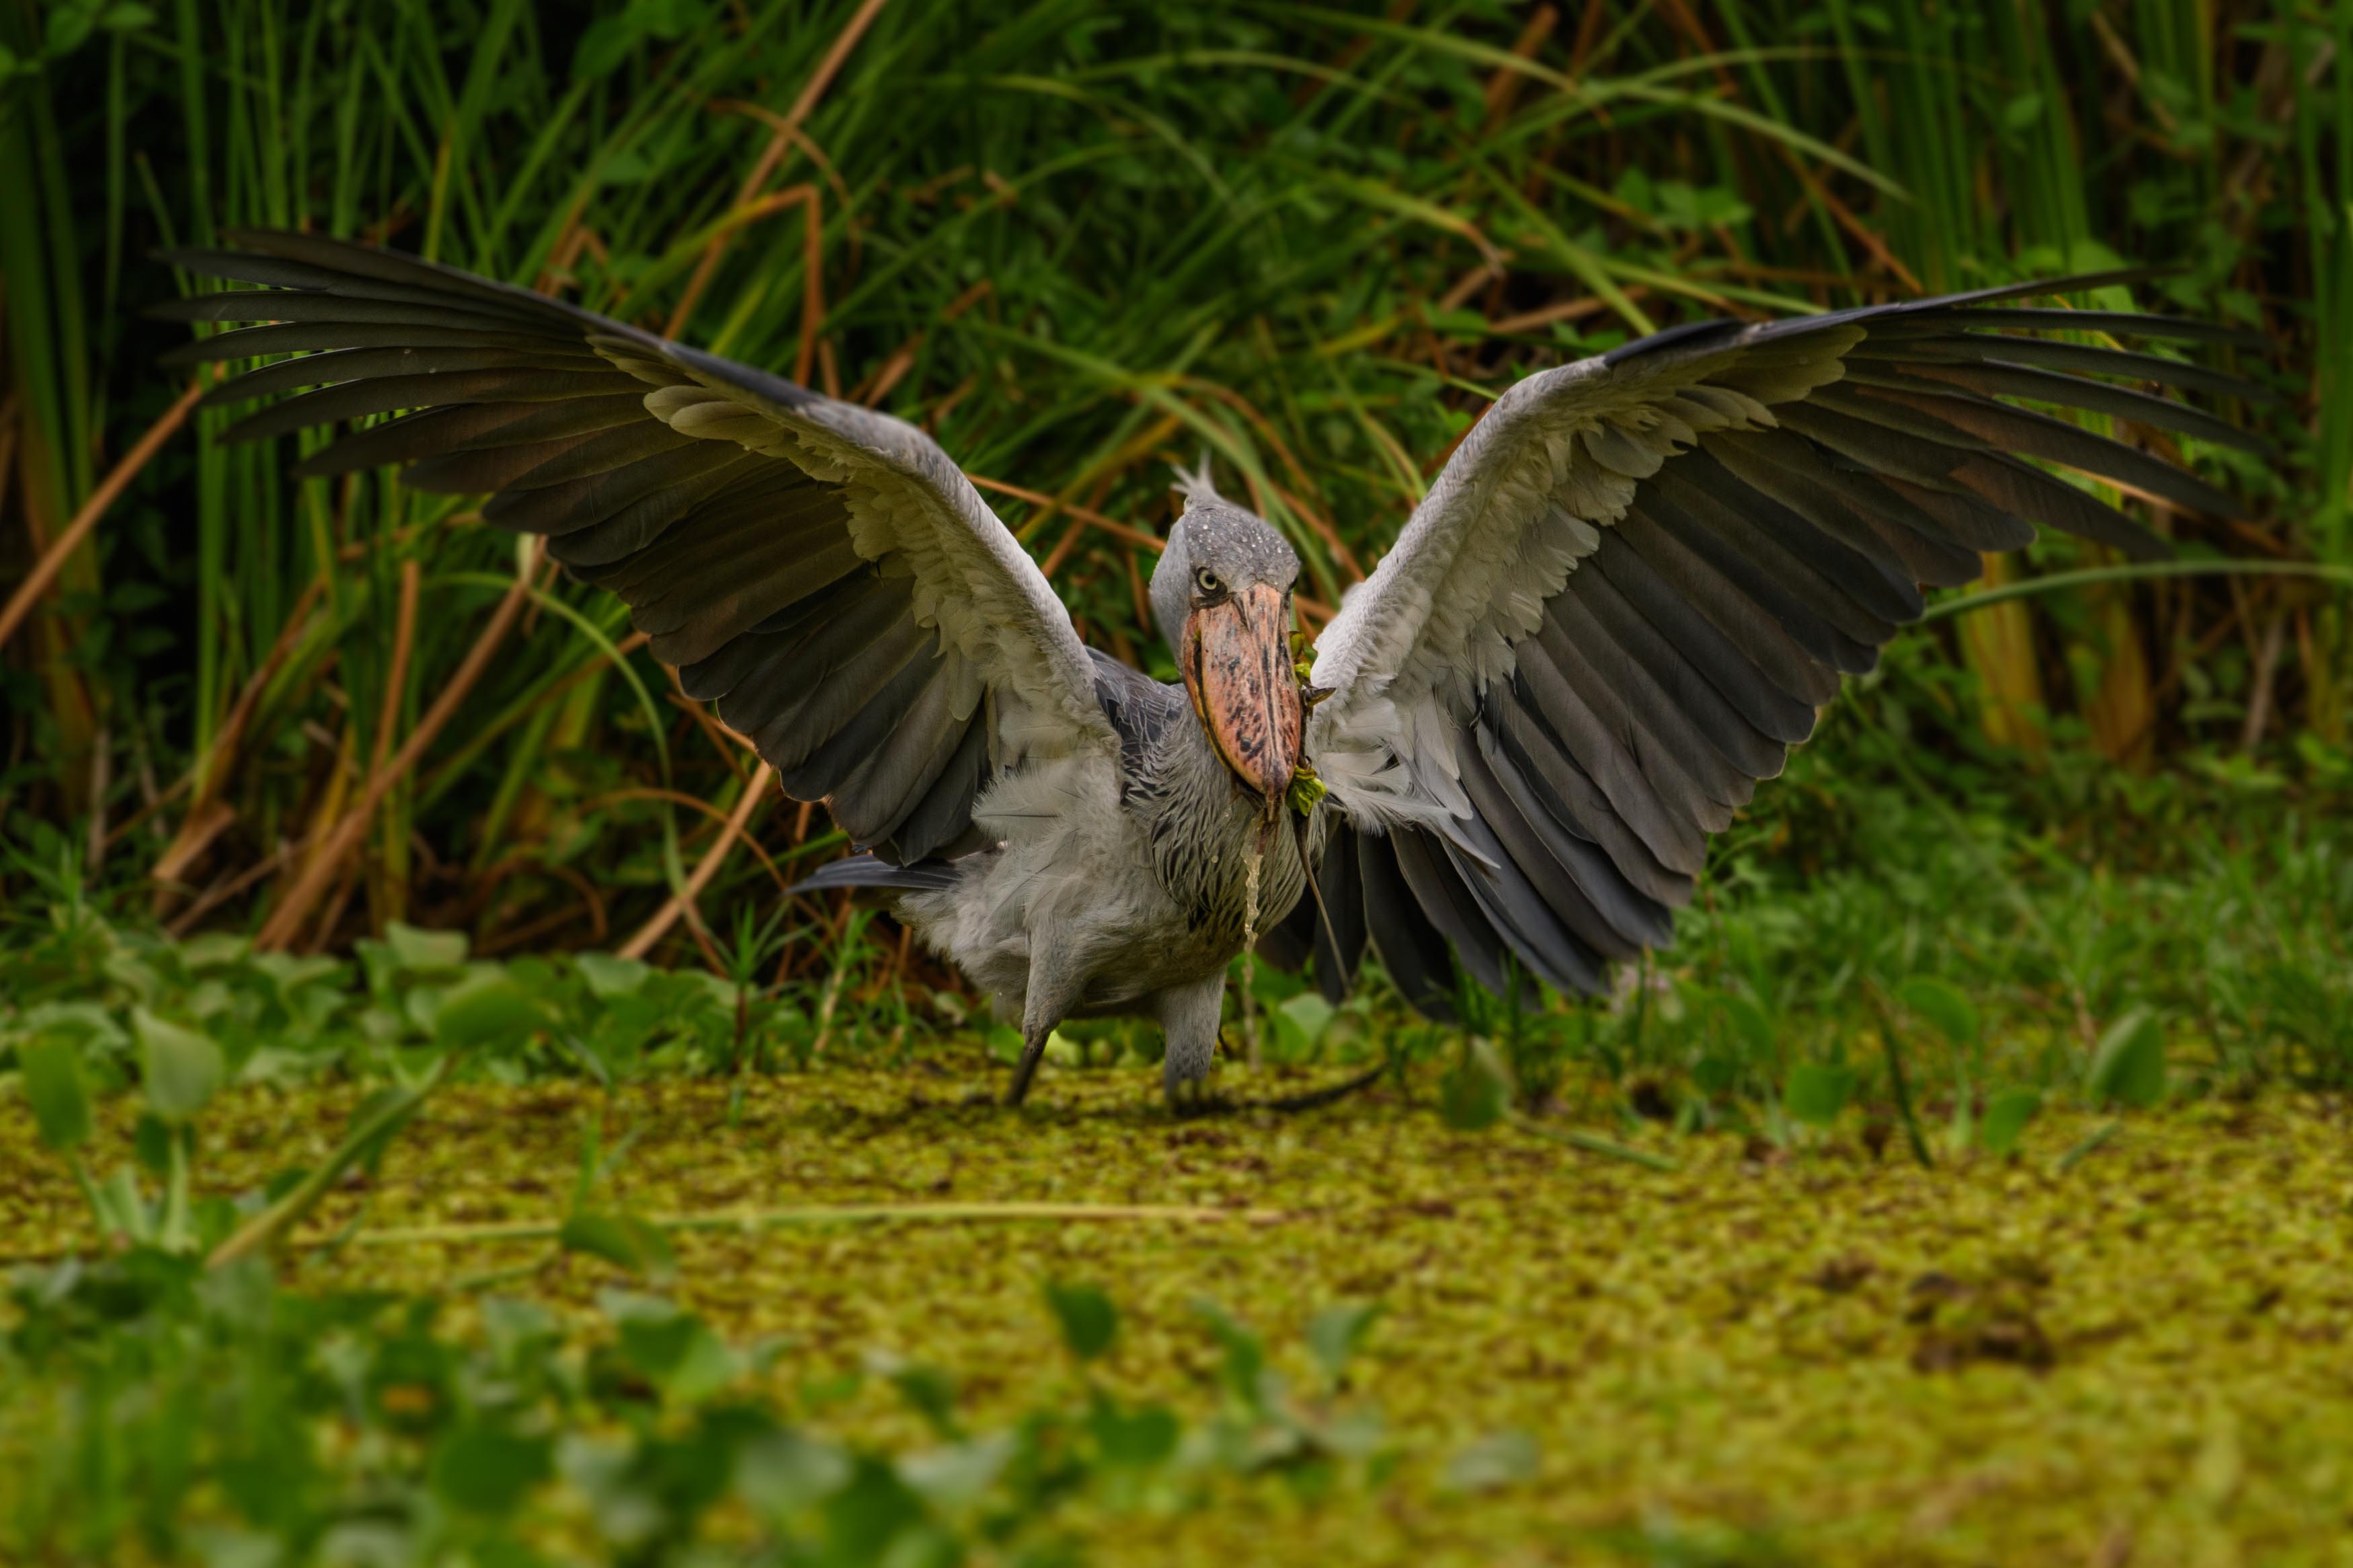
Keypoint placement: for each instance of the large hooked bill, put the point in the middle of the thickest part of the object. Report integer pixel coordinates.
(1237, 665)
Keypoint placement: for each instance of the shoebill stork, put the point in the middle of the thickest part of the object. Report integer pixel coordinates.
(1629, 592)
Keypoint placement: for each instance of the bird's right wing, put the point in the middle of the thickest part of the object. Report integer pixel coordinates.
(823, 572)
(1639, 577)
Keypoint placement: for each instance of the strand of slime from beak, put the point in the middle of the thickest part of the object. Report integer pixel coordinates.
(1249, 952)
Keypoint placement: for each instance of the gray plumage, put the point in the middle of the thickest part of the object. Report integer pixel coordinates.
(1627, 594)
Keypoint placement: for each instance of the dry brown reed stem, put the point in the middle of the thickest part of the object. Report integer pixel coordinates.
(802, 195)
(682, 902)
(680, 798)
(53, 560)
(1119, 531)
(780, 143)
(319, 873)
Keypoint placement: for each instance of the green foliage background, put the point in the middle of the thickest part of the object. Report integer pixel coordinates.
(1080, 241)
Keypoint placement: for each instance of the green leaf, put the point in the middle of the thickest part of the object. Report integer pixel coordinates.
(2129, 1066)
(481, 1469)
(181, 1069)
(1478, 1090)
(1245, 1353)
(2006, 1118)
(1498, 1460)
(1337, 1333)
(425, 951)
(53, 1087)
(1955, 1017)
(69, 23)
(1309, 1014)
(2020, 112)
(484, 1009)
(623, 1240)
(1089, 1320)
(1817, 1093)
(782, 1472)
(608, 976)
(1140, 1438)
(673, 1348)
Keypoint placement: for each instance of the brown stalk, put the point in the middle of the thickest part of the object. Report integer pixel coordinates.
(404, 641)
(680, 798)
(1565, 310)
(53, 558)
(682, 902)
(742, 216)
(782, 141)
(299, 899)
(1503, 87)
(1119, 531)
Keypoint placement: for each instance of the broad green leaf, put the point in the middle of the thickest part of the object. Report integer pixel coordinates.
(1955, 1017)
(485, 1009)
(1245, 1353)
(53, 1087)
(956, 1474)
(425, 951)
(782, 1472)
(486, 1469)
(608, 976)
(671, 1348)
(1337, 1333)
(2006, 1118)
(874, 1515)
(623, 1240)
(2129, 1065)
(1817, 1093)
(1140, 1438)
(1310, 1014)
(181, 1069)
(1089, 1320)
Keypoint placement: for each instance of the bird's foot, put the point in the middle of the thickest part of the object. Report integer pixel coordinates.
(1203, 1103)
(1190, 1097)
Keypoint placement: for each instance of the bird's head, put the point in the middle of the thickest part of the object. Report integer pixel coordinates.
(1222, 595)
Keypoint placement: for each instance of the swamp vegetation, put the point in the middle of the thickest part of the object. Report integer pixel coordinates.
(426, 1135)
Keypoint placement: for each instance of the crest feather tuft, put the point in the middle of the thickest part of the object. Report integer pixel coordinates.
(1195, 484)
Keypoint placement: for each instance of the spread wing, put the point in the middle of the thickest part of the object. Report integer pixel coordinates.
(823, 572)
(1640, 577)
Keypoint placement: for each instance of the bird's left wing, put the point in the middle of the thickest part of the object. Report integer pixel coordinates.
(1639, 577)
(823, 571)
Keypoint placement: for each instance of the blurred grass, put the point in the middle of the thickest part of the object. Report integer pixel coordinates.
(1076, 243)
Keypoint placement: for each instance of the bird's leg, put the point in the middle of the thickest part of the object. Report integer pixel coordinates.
(1033, 1047)
(1047, 1002)
(1188, 1025)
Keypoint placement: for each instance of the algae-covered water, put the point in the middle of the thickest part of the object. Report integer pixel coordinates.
(1816, 1354)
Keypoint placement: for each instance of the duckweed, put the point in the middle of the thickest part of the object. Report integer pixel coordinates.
(1822, 1355)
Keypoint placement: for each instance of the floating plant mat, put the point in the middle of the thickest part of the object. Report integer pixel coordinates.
(1820, 1354)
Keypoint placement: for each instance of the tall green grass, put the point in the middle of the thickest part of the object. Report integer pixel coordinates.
(1075, 243)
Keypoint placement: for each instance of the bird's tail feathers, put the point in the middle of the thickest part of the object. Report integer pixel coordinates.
(873, 871)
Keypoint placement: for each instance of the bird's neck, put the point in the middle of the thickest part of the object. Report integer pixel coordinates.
(1205, 830)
